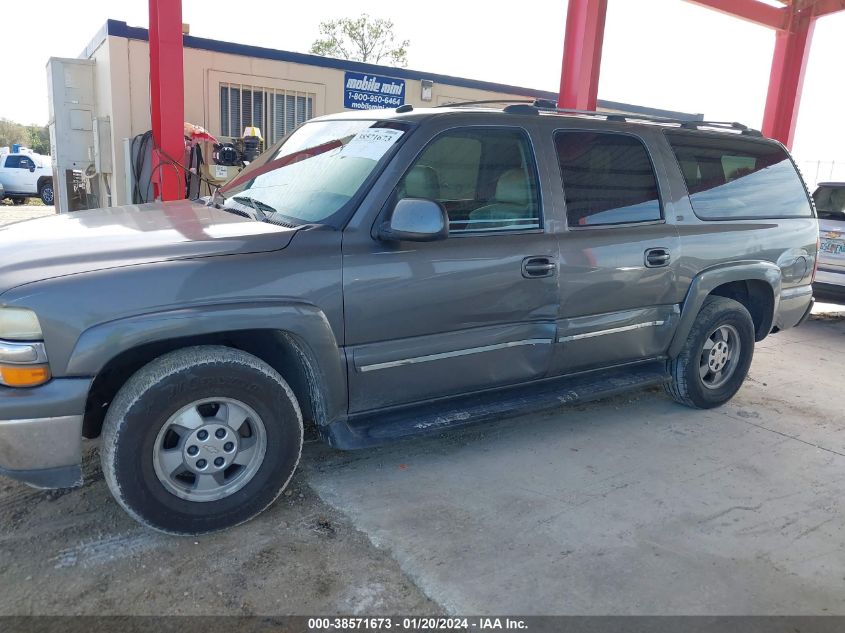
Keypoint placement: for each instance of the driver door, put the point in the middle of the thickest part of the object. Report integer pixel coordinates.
(470, 312)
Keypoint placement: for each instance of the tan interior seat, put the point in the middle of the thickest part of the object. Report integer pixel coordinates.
(421, 182)
(511, 202)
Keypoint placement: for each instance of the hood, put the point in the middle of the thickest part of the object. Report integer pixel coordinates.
(86, 241)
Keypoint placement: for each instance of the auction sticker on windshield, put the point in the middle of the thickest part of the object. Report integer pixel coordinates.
(371, 143)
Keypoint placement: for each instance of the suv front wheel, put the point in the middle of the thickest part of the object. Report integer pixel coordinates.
(716, 356)
(201, 439)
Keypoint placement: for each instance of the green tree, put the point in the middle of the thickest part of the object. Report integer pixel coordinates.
(11, 133)
(39, 139)
(35, 137)
(362, 39)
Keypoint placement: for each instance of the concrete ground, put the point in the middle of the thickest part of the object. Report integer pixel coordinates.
(633, 505)
(10, 213)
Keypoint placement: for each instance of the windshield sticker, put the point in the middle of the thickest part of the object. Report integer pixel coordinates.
(371, 143)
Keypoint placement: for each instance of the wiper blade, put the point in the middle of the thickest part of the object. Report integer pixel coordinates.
(261, 209)
(256, 204)
(266, 213)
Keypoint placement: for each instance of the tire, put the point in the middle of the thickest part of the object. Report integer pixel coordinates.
(159, 415)
(695, 380)
(46, 193)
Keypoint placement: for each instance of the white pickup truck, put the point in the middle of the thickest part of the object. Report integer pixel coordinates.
(26, 175)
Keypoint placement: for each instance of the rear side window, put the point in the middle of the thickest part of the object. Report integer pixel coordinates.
(607, 179)
(13, 161)
(736, 178)
(485, 178)
(830, 202)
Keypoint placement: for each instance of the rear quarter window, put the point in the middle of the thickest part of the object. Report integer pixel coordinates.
(739, 178)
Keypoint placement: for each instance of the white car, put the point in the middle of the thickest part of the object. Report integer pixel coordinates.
(26, 175)
(830, 204)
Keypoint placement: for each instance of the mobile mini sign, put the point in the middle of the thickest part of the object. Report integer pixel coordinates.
(368, 92)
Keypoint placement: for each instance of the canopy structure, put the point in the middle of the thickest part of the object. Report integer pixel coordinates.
(792, 21)
(167, 97)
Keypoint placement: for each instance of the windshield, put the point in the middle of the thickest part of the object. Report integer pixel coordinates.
(316, 170)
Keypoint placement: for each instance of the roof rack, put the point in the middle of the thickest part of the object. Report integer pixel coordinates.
(543, 106)
(460, 104)
(539, 106)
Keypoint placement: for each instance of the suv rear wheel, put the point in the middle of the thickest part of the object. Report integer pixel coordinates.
(716, 356)
(201, 439)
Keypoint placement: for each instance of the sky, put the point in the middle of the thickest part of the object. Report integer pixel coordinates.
(659, 53)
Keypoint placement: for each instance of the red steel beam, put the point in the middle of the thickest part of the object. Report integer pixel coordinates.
(167, 97)
(792, 49)
(751, 10)
(825, 7)
(794, 32)
(579, 73)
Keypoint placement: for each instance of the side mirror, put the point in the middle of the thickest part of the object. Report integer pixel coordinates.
(32, 168)
(416, 220)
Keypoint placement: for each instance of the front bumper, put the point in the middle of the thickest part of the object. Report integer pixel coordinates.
(41, 432)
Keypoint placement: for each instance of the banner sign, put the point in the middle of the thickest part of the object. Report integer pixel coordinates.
(368, 92)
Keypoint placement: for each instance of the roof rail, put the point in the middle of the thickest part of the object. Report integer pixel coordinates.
(460, 104)
(538, 106)
(546, 106)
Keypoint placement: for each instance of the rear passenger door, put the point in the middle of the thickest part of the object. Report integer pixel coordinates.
(619, 291)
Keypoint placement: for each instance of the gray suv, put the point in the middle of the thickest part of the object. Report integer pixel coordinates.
(384, 274)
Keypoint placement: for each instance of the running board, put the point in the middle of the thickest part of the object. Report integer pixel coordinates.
(367, 430)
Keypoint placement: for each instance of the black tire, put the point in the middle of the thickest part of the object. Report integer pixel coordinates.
(18, 201)
(687, 386)
(148, 401)
(46, 193)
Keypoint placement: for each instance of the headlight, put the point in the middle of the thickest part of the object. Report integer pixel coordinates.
(19, 324)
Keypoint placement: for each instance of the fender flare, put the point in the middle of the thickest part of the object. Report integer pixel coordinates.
(708, 280)
(304, 325)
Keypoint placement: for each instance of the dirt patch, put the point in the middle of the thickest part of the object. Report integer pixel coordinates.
(76, 552)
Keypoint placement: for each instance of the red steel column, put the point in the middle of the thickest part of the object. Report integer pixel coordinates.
(792, 49)
(579, 73)
(167, 97)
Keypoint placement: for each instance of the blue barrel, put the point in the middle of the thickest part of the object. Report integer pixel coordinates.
(16, 148)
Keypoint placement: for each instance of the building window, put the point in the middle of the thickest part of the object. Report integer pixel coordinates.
(276, 112)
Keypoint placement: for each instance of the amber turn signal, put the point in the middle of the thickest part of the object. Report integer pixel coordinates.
(24, 375)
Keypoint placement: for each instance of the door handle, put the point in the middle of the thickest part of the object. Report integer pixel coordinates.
(657, 257)
(533, 267)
